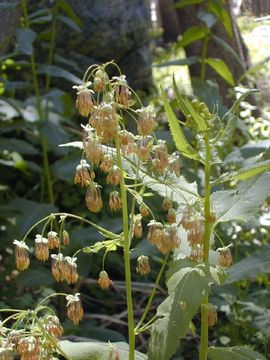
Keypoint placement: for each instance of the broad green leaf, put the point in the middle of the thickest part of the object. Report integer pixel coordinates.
(65, 168)
(192, 34)
(179, 62)
(222, 69)
(177, 311)
(187, 108)
(20, 146)
(55, 135)
(234, 353)
(25, 39)
(249, 150)
(247, 269)
(219, 10)
(241, 203)
(177, 132)
(7, 5)
(37, 276)
(57, 71)
(31, 212)
(249, 171)
(96, 350)
(182, 3)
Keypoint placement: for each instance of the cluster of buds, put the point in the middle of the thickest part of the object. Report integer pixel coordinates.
(167, 206)
(193, 223)
(64, 268)
(53, 326)
(165, 238)
(84, 174)
(29, 348)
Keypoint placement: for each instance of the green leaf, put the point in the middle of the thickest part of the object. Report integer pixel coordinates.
(235, 107)
(249, 171)
(65, 168)
(222, 69)
(218, 9)
(242, 203)
(255, 68)
(224, 45)
(192, 34)
(177, 311)
(178, 62)
(208, 18)
(96, 350)
(25, 39)
(31, 212)
(36, 277)
(182, 3)
(234, 353)
(247, 269)
(57, 71)
(179, 138)
(55, 135)
(7, 5)
(20, 146)
(70, 23)
(65, 6)
(187, 108)
(225, 136)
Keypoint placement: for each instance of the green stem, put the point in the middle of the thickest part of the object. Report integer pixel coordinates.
(46, 168)
(138, 327)
(131, 332)
(207, 236)
(204, 54)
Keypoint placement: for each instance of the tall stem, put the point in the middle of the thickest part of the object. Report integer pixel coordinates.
(46, 168)
(131, 332)
(207, 235)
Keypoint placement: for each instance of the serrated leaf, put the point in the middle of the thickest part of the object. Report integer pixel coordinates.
(234, 353)
(176, 312)
(96, 350)
(182, 3)
(242, 203)
(187, 108)
(25, 39)
(192, 34)
(179, 138)
(221, 69)
(256, 264)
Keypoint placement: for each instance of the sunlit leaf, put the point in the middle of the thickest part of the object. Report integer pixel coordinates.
(234, 353)
(222, 69)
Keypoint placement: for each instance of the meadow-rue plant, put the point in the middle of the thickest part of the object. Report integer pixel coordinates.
(184, 234)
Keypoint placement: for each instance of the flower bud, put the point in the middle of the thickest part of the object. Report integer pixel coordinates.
(58, 264)
(144, 210)
(84, 174)
(174, 164)
(106, 163)
(69, 270)
(156, 232)
(171, 216)
(143, 266)
(146, 121)
(93, 149)
(114, 176)
(212, 315)
(104, 281)
(53, 326)
(41, 248)
(84, 102)
(65, 237)
(167, 204)
(225, 257)
(74, 308)
(161, 160)
(137, 226)
(29, 348)
(115, 202)
(93, 198)
(53, 240)
(21, 255)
